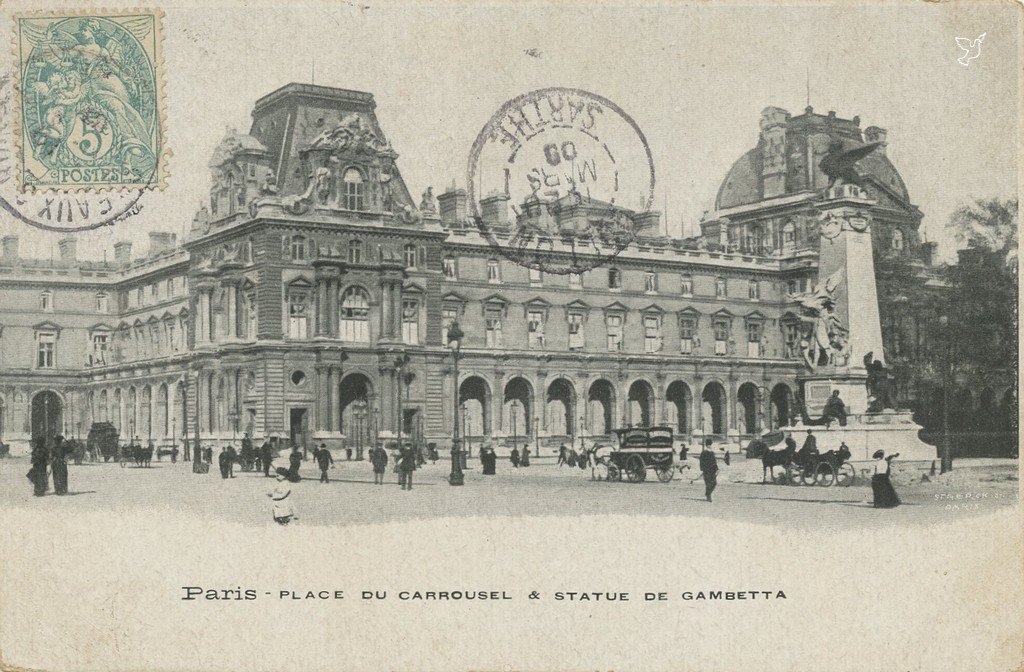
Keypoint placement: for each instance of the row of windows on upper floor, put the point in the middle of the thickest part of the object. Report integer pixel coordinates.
(652, 280)
(413, 257)
(138, 297)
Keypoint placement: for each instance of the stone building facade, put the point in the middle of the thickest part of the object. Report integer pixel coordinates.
(311, 301)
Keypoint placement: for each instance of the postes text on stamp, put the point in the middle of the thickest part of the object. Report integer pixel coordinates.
(576, 172)
(90, 101)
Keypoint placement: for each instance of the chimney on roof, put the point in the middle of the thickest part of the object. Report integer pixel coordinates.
(494, 210)
(122, 253)
(452, 206)
(68, 248)
(161, 241)
(10, 244)
(876, 134)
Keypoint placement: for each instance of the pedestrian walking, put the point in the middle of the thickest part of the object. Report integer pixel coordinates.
(563, 454)
(281, 499)
(39, 460)
(223, 462)
(727, 459)
(683, 451)
(59, 467)
(885, 496)
(526, 456)
(406, 465)
(708, 469)
(294, 462)
(488, 459)
(324, 460)
(267, 455)
(514, 457)
(232, 458)
(379, 460)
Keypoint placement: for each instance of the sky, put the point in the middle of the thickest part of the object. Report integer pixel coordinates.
(694, 78)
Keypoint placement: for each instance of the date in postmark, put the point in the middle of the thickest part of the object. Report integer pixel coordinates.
(576, 172)
(89, 101)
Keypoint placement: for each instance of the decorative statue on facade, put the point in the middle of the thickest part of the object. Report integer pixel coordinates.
(841, 165)
(427, 205)
(880, 388)
(352, 135)
(826, 330)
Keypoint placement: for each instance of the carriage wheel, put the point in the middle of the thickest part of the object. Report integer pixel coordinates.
(665, 474)
(809, 475)
(636, 472)
(614, 474)
(846, 475)
(825, 475)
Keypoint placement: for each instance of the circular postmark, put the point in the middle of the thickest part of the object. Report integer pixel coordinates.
(560, 180)
(54, 210)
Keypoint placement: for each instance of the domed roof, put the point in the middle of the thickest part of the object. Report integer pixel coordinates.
(744, 183)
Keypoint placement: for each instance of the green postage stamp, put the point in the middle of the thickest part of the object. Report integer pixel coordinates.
(90, 101)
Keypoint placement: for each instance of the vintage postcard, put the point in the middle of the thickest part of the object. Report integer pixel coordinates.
(554, 336)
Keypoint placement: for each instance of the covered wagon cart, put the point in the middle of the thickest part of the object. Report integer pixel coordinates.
(638, 449)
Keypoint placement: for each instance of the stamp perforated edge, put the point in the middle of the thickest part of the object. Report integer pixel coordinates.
(161, 103)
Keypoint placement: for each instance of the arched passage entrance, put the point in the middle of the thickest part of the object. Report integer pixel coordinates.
(355, 407)
(47, 415)
(561, 407)
(781, 394)
(602, 405)
(747, 396)
(641, 404)
(518, 407)
(474, 400)
(713, 408)
(678, 407)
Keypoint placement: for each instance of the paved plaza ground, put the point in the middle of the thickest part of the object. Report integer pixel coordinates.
(543, 489)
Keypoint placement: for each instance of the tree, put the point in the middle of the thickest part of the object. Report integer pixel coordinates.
(988, 224)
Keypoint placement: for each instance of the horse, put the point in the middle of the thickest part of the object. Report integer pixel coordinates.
(775, 458)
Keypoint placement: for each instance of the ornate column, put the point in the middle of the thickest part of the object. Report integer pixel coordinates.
(396, 310)
(170, 427)
(321, 397)
(498, 403)
(321, 306)
(386, 398)
(541, 399)
(333, 307)
(333, 384)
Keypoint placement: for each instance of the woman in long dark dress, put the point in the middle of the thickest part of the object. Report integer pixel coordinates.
(59, 467)
(881, 485)
(37, 474)
(488, 460)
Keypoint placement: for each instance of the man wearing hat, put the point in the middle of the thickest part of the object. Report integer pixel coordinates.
(708, 469)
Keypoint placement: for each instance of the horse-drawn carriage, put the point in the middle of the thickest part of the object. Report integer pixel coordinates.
(102, 441)
(639, 449)
(808, 467)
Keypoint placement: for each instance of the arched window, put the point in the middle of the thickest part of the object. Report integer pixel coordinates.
(355, 315)
(355, 252)
(897, 240)
(298, 248)
(353, 181)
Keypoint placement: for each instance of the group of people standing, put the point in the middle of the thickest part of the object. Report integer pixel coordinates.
(48, 458)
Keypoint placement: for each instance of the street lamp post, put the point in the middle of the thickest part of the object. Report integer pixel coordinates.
(455, 342)
(947, 453)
